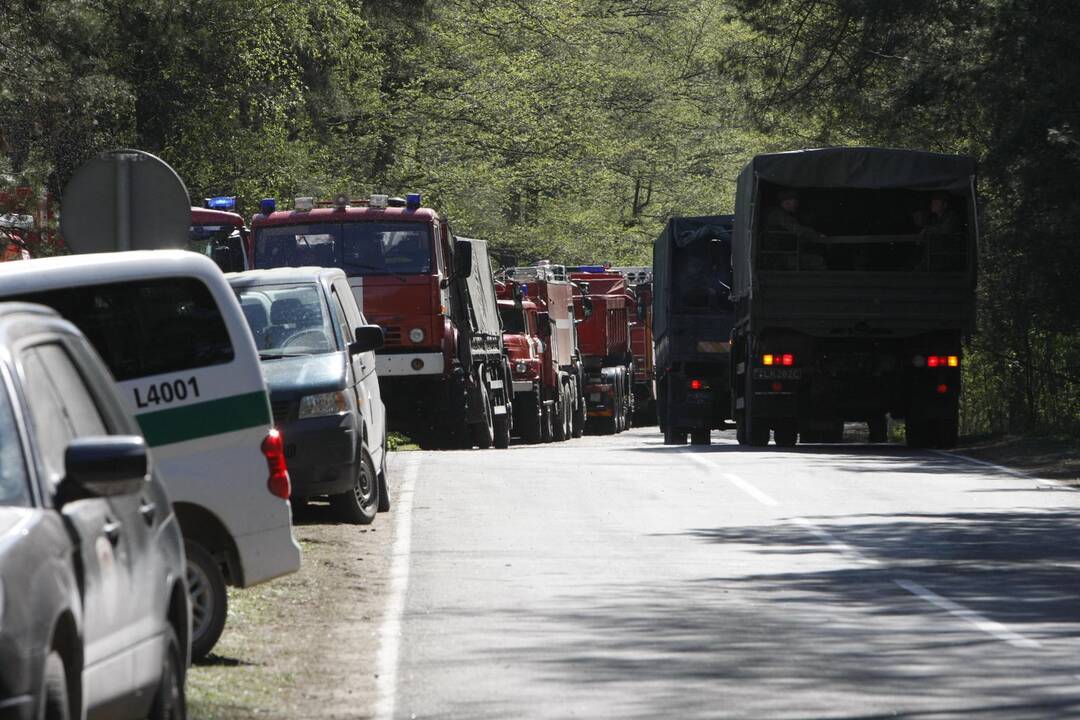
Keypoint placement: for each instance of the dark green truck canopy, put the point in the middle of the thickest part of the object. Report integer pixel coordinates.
(862, 167)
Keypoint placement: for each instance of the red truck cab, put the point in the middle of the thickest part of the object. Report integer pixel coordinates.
(221, 235)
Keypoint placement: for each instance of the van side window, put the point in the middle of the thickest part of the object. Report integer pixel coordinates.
(146, 327)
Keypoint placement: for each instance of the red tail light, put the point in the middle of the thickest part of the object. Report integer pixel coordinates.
(942, 389)
(777, 387)
(788, 359)
(273, 448)
(696, 385)
(933, 361)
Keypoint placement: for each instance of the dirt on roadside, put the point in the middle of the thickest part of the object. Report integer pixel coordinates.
(304, 646)
(1052, 458)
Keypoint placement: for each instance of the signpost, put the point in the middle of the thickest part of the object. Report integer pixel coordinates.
(125, 200)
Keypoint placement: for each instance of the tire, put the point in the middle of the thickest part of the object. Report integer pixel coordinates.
(878, 429)
(740, 430)
(209, 602)
(786, 434)
(483, 432)
(502, 430)
(384, 490)
(759, 434)
(547, 423)
(835, 433)
(674, 436)
(54, 703)
(531, 419)
(561, 416)
(359, 505)
(170, 702)
(948, 433)
(568, 412)
(700, 437)
(581, 414)
(916, 434)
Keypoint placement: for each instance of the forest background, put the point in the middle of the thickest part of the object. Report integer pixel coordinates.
(572, 129)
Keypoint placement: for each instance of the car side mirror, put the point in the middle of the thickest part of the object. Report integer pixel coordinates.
(105, 466)
(641, 310)
(368, 337)
(462, 258)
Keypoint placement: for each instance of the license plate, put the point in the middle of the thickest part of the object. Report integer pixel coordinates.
(777, 373)
(699, 398)
(596, 397)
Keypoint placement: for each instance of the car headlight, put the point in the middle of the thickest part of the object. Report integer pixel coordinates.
(521, 368)
(416, 335)
(330, 403)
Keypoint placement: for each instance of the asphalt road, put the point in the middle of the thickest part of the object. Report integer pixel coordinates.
(616, 577)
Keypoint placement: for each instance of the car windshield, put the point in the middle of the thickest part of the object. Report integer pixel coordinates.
(221, 243)
(360, 248)
(287, 320)
(13, 487)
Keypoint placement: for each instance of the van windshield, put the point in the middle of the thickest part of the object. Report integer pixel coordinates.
(146, 327)
(287, 320)
(359, 248)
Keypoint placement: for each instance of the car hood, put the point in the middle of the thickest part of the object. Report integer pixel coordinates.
(289, 378)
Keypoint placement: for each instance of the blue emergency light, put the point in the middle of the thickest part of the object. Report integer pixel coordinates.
(524, 290)
(592, 268)
(221, 202)
(267, 205)
(412, 201)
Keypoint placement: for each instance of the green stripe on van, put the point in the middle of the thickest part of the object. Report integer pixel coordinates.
(212, 417)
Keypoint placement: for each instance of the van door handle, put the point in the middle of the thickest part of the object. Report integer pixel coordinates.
(148, 510)
(112, 531)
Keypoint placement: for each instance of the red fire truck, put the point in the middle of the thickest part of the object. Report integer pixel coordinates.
(604, 339)
(640, 280)
(540, 335)
(442, 373)
(218, 232)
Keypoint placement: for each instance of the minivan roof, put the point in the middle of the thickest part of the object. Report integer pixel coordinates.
(308, 273)
(94, 268)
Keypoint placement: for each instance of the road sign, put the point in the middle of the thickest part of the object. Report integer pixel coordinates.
(125, 200)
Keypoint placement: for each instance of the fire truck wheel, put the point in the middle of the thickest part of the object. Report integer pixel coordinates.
(562, 415)
(786, 434)
(483, 432)
(547, 422)
(580, 416)
(502, 431)
(674, 436)
(529, 419)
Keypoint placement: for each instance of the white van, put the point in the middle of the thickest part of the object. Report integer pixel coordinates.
(174, 337)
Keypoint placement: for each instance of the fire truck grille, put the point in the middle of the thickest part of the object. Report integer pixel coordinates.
(392, 335)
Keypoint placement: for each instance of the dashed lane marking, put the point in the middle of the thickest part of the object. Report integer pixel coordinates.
(988, 626)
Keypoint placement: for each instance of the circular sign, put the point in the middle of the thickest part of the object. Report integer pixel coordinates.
(125, 200)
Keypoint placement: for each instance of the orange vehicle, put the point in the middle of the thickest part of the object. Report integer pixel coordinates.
(442, 373)
(540, 337)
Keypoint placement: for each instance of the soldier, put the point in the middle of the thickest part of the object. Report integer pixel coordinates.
(784, 217)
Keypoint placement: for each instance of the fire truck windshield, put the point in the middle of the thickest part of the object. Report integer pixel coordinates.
(360, 248)
(513, 320)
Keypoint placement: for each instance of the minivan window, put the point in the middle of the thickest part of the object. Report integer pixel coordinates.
(146, 327)
(287, 320)
(13, 484)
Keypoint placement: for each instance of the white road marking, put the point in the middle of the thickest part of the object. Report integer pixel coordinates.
(735, 480)
(991, 627)
(835, 543)
(386, 663)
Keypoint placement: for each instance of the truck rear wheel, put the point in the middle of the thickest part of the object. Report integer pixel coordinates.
(701, 437)
(878, 429)
(562, 416)
(759, 434)
(674, 436)
(580, 416)
(502, 429)
(483, 432)
(547, 422)
(786, 434)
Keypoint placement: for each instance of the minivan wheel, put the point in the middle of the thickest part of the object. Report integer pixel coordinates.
(209, 602)
(359, 505)
(169, 700)
(54, 701)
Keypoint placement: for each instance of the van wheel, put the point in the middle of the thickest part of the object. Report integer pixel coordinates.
(384, 491)
(209, 603)
(359, 505)
(54, 702)
(169, 701)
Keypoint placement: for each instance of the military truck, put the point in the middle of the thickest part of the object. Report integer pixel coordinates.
(854, 286)
(692, 320)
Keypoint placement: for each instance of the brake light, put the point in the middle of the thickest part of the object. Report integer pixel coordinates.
(942, 389)
(933, 361)
(788, 359)
(696, 384)
(273, 448)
